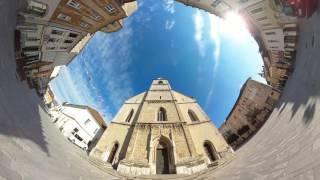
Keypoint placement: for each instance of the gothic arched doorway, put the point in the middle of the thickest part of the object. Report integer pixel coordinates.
(164, 157)
(210, 151)
(113, 153)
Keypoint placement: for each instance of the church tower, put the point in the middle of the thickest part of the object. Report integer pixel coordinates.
(161, 131)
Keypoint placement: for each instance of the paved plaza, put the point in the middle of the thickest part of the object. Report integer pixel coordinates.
(287, 147)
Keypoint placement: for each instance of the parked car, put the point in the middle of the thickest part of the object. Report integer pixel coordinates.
(77, 140)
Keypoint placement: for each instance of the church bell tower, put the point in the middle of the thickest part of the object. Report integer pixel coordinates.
(161, 131)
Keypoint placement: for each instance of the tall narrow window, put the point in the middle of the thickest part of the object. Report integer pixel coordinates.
(130, 116)
(192, 116)
(109, 7)
(162, 114)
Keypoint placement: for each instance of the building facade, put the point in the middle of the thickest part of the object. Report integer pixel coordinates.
(252, 108)
(161, 131)
(52, 32)
(91, 16)
(82, 125)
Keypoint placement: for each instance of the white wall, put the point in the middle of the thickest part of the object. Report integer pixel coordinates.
(80, 116)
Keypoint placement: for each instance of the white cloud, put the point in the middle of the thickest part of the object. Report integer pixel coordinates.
(214, 34)
(208, 99)
(100, 71)
(169, 24)
(169, 6)
(199, 27)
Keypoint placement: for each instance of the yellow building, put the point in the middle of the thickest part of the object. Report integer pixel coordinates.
(161, 131)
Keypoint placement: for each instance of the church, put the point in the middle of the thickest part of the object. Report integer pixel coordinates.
(161, 131)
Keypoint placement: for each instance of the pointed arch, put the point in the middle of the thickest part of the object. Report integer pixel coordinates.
(210, 151)
(162, 114)
(129, 117)
(163, 155)
(193, 116)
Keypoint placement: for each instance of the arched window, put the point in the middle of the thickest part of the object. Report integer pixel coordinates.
(162, 114)
(130, 116)
(192, 116)
(160, 82)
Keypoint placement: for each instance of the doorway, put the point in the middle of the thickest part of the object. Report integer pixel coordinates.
(211, 153)
(113, 153)
(162, 161)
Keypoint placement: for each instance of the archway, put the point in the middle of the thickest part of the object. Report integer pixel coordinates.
(210, 151)
(164, 157)
(113, 153)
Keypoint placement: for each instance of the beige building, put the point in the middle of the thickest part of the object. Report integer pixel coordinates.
(252, 108)
(161, 131)
(216, 7)
(94, 15)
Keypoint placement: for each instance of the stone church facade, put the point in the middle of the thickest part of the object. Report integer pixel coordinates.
(161, 131)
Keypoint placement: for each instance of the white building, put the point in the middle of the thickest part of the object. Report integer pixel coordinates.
(82, 125)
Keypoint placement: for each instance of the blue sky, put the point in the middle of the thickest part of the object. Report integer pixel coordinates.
(201, 55)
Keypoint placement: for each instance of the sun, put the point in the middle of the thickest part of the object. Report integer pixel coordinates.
(235, 25)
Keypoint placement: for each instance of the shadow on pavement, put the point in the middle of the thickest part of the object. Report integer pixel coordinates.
(19, 113)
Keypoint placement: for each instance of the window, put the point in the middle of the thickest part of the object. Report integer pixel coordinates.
(56, 32)
(78, 137)
(267, 24)
(73, 35)
(270, 33)
(31, 48)
(256, 10)
(95, 16)
(75, 130)
(50, 48)
(110, 8)
(162, 114)
(36, 8)
(84, 24)
(262, 18)
(95, 131)
(216, 3)
(53, 40)
(243, 1)
(74, 4)
(130, 116)
(63, 48)
(87, 121)
(192, 116)
(32, 39)
(160, 82)
(273, 41)
(68, 41)
(64, 17)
